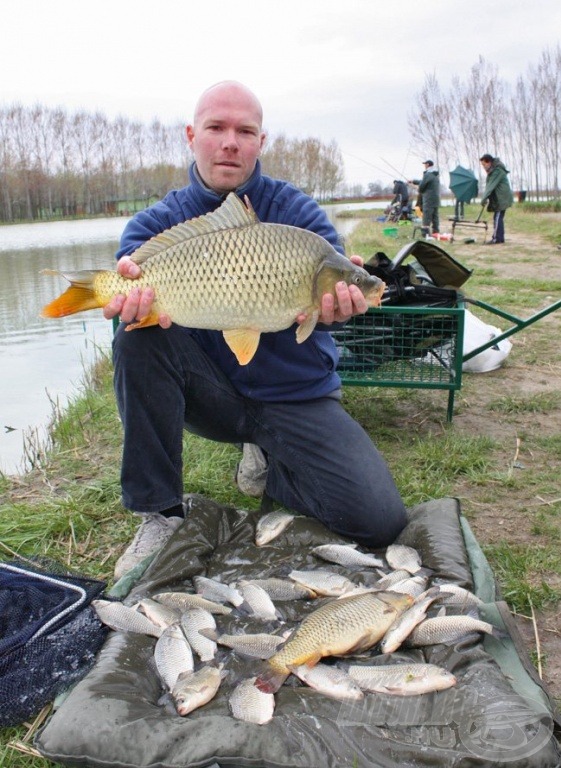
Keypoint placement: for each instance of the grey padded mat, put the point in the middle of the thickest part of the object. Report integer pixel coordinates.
(113, 718)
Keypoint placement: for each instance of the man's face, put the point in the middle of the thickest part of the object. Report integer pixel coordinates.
(226, 137)
(486, 165)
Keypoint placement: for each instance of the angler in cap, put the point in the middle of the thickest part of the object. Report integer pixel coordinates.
(497, 195)
(300, 445)
(429, 192)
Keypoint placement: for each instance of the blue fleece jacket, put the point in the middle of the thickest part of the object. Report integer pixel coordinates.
(281, 369)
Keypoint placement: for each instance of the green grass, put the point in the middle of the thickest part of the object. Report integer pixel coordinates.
(543, 402)
(518, 569)
(68, 508)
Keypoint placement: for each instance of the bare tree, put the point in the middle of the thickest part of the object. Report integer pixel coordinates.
(309, 164)
(44, 149)
(430, 122)
(331, 171)
(524, 128)
(279, 160)
(19, 123)
(6, 164)
(66, 171)
(121, 130)
(52, 161)
(548, 82)
(139, 137)
(163, 148)
(86, 135)
(180, 153)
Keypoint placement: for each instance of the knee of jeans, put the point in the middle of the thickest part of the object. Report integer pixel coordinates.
(124, 347)
(137, 342)
(378, 524)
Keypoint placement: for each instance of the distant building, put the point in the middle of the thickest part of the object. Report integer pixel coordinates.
(129, 207)
(110, 207)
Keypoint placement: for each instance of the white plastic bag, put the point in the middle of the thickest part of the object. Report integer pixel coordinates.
(476, 333)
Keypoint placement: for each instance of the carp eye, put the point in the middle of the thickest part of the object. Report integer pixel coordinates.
(357, 279)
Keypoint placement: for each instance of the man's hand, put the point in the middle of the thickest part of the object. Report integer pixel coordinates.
(348, 301)
(138, 303)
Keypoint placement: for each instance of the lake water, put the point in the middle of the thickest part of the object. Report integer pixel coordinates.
(42, 362)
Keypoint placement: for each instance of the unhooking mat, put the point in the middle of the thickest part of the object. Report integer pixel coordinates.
(496, 715)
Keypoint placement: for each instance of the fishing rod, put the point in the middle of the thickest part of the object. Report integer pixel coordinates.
(362, 160)
(393, 168)
(406, 158)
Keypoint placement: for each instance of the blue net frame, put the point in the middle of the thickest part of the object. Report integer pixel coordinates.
(49, 636)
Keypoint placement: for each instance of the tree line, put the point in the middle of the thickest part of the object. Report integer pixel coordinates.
(55, 164)
(483, 113)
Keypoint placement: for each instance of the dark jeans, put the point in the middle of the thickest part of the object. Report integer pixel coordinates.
(498, 227)
(321, 462)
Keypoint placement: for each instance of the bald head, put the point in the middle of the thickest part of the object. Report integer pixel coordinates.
(228, 92)
(226, 136)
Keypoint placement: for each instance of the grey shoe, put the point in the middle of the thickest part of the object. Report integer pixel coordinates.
(154, 532)
(251, 473)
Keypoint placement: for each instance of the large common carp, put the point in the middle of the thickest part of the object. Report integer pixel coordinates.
(342, 626)
(227, 271)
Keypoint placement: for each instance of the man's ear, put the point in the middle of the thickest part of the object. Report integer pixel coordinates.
(190, 134)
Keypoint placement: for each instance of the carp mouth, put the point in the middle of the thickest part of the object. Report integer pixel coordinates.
(327, 276)
(374, 294)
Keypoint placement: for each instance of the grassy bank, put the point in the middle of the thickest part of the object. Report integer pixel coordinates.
(501, 456)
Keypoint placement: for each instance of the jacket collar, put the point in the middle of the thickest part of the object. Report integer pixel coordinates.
(211, 198)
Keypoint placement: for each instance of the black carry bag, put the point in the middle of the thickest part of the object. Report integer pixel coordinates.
(49, 636)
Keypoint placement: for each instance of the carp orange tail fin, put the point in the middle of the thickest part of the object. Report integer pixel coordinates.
(270, 681)
(79, 297)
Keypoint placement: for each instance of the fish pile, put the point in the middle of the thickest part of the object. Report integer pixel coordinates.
(229, 272)
(394, 605)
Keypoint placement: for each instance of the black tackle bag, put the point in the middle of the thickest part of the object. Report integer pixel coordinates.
(431, 278)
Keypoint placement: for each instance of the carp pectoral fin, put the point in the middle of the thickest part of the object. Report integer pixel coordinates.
(151, 319)
(305, 329)
(310, 659)
(367, 640)
(243, 342)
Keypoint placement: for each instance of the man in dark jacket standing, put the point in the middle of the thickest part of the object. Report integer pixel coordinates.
(429, 190)
(497, 195)
(305, 450)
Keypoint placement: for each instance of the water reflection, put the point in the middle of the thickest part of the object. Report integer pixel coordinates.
(345, 226)
(43, 361)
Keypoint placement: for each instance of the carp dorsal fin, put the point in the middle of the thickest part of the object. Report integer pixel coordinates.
(243, 342)
(232, 214)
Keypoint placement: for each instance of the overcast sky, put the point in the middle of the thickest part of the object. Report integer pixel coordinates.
(344, 70)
